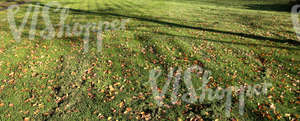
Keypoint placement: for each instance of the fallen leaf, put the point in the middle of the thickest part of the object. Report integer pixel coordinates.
(26, 119)
(11, 105)
(1, 104)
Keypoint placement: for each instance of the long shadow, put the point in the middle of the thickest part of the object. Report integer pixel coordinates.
(251, 36)
(7, 3)
(270, 7)
(224, 42)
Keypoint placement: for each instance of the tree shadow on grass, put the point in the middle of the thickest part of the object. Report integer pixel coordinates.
(225, 42)
(114, 14)
(5, 4)
(270, 7)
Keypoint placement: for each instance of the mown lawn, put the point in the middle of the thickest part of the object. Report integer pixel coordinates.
(240, 41)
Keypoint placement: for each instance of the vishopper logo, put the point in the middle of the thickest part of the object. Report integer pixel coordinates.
(64, 29)
(206, 93)
(295, 20)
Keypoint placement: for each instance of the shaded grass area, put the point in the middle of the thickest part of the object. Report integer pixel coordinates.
(271, 7)
(4, 4)
(54, 79)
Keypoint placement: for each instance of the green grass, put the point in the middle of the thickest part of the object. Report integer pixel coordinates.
(240, 41)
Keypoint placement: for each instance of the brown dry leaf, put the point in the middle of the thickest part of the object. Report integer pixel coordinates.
(1, 50)
(121, 104)
(11, 74)
(1, 104)
(128, 110)
(26, 112)
(117, 84)
(26, 119)
(269, 117)
(278, 117)
(272, 106)
(111, 88)
(110, 63)
(91, 95)
(287, 115)
(34, 74)
(73, 73)
(11, 105)
(147, 117)
(83, 78)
